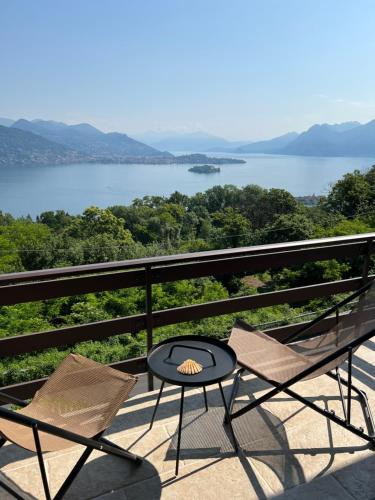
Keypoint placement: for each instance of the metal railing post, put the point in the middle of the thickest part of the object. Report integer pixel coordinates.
(150, 378)
(367, 261)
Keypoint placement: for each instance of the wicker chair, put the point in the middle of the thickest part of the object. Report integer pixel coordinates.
(74, 406)
(302, 356)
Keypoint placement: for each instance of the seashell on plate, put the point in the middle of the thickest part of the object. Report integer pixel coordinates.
(190, 367)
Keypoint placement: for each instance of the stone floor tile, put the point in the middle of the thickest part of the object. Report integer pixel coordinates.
(326, 488)
(103, 473)
(26, 480)
(304, 453)
(4, 495)
(219, 480)
(358, 478)
(113, 495)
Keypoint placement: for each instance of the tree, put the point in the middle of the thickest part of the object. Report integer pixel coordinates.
(220, 197)
(95, 221)
(57, 221)
(5, 219)
(261, 206)
(232, 229)
(10, 261)
(287, 227)
(351, 195)
(34, 243)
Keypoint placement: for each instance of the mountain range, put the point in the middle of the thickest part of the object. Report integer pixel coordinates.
(188, 142)
(18, 147)
(326, 140)
(50, 142)
(269, 146)
(88, 140)
(6, 122)
(339, 139)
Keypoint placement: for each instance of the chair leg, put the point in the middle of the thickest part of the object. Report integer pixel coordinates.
(367, 413)
(82, 460)
(339, 381)
(235, 443)
(2, 483)
(73, 474)
(41, 462)
(205, 398)
(157, 405)
(180, 429)
(332, 416)
(233, 393)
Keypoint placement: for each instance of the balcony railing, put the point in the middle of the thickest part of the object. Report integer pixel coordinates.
(30, 286)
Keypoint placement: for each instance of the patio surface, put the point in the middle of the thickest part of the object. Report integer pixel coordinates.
(289, 451)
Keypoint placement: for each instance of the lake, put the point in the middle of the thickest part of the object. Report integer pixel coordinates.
(32, 190)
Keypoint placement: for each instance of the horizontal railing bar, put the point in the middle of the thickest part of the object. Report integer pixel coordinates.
(14, 294)
(179, 258)
(133, 366)
(255, 263)
(238, 304)
(100, 330)
(25, 390)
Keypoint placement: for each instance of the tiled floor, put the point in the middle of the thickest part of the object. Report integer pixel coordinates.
(288, 451)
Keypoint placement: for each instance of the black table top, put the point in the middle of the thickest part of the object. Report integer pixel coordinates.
(218, 363)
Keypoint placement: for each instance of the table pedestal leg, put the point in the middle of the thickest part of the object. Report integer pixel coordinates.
(179, 428)
(205, 397)
(157, 404)
(228, 418)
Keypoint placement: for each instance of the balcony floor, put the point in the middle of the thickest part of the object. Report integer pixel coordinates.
(289, 451)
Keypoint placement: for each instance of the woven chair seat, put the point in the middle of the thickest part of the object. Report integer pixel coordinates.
(279, 363)
(81, 396)
(265, 356)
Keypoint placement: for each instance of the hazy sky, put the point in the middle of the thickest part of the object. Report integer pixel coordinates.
(243, 69)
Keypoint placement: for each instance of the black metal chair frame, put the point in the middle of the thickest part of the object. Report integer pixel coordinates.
(97, 443)
(285, 386)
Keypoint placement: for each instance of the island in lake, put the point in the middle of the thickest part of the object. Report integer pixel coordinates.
(204, 169)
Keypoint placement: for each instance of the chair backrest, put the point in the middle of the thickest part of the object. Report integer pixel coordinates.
(82, 396)
(356, 324)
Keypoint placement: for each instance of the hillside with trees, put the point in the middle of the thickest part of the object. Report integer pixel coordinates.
(221, 217)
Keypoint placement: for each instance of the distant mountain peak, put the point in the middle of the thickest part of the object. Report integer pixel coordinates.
(6, 122)
(89, 140)
(335, 127)
(268, 146)
(86, 128)
(188, 141)
(50, 122)
(20, 147)
(340, 139)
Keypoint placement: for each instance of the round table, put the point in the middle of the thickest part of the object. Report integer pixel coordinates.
(218, 361)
